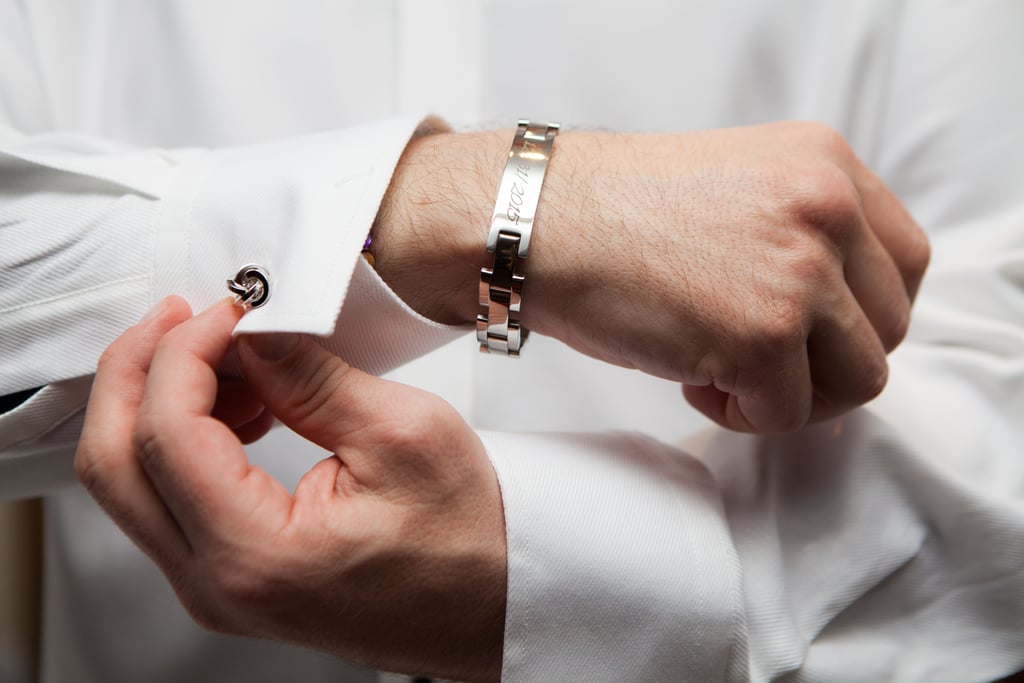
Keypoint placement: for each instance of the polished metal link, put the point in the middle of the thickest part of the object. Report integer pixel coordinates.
(501, 294)
(501, 286)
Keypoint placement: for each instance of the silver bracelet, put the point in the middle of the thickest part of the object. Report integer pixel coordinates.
(501, 286)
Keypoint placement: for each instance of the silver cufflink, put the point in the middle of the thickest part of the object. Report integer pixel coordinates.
(251, 286)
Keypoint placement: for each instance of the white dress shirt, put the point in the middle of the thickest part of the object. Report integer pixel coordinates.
(153, 149)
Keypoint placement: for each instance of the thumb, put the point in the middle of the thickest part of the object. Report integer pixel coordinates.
(315, 393)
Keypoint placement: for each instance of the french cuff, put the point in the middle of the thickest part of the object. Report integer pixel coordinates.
(298, 208)
(620, 564)
(377, 331)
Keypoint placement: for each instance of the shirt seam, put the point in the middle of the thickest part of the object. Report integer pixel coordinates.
(71, 295)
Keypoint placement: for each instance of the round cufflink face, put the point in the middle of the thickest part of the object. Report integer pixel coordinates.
(251, 285)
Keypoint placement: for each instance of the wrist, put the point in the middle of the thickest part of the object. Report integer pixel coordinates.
(431, 229)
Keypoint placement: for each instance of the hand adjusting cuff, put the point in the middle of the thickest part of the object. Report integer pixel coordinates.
(501, 286)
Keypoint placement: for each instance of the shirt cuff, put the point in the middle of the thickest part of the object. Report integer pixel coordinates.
(620, 565)
(377, 331)
(300, 208)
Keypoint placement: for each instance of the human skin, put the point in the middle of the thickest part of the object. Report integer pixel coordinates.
(390, 552)
(765, 268)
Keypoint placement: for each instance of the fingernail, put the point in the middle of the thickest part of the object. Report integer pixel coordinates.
(155, 311)
(273, 346)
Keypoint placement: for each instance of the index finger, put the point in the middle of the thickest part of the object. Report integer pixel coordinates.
(196, 463)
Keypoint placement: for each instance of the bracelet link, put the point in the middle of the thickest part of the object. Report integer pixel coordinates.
(498, 327)
(501, 295)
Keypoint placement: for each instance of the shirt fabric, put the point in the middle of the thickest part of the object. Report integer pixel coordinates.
(153, 149)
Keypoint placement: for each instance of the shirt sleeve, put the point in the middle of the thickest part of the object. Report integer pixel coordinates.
(93, 233)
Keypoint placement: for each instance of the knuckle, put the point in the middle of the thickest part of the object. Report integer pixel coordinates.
(236, 590)
(824, 137)
(790, 421)
(89, 470)
(424, 413)
(814, 264)
(897, 331)
(95, 468)
(147, 440)
(816, 138)
(221, 593)
(108, 359)
(825, 201)
(715, 369)
(919, 252)
(873, 381)
(235, 586)
(781, 328)
(193, 589)
(205, 614)
(243, 586)
(320, 383)
(404, 435)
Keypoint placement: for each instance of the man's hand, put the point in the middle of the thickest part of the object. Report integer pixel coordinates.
(391, 552)
(766, 268)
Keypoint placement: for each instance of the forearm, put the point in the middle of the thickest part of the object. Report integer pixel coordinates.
(430, 234)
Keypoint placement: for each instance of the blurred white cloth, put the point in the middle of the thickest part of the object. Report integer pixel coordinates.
(152, 149)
